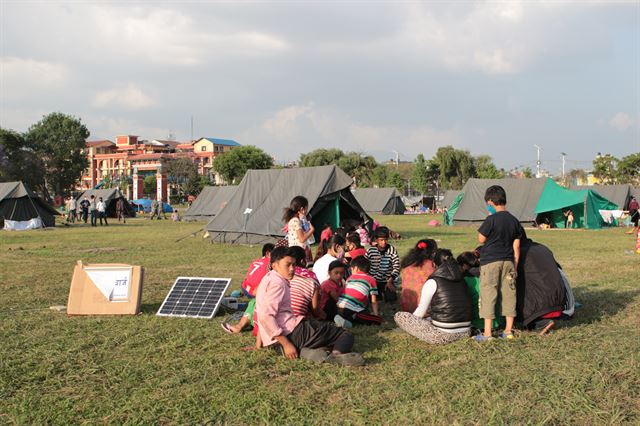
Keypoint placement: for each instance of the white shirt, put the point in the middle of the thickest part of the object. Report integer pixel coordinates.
(321, 267)
(100, 206)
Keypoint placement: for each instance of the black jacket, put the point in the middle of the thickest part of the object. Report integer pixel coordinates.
(451, 303)
(540, 288)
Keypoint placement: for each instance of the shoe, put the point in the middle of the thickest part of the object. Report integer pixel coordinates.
(351, 359)
(482, 338)
(227, 327)
(315, 355)
(341, 322)
(507, 336)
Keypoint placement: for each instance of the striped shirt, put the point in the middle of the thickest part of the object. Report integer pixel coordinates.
(357, 291)
(302, 290)
(384, 265)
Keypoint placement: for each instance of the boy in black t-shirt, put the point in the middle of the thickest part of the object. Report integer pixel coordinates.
(500, 233)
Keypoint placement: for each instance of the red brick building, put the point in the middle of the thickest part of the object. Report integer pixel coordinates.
(132, 159)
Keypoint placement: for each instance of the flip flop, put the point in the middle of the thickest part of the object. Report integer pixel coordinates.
(226, 327)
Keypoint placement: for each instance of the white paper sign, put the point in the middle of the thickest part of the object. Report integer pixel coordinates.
(113, 282)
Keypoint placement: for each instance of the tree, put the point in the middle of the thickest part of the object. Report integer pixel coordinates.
(629, 169)
(420, 175)
(20, 162)
(150, 184)
(182, 173)
(395, 180)
(379, 176)
(59, 141)
(527, 172)
(485, 169)
(456, 167)
(234, 164)
(604, 168)
(321, 157)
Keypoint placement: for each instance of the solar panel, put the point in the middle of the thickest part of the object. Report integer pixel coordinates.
(194, 297)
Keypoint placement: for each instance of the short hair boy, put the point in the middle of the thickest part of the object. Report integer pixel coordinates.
(500, 234)
(353, 304)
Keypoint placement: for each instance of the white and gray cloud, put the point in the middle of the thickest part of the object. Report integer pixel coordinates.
(128, 97)
(621, 121)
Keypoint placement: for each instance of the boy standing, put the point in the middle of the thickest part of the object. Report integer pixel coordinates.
(500, 233)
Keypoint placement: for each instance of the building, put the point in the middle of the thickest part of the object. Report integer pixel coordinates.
(130, 160)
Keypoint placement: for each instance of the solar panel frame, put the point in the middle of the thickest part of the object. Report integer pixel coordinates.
(211, 304)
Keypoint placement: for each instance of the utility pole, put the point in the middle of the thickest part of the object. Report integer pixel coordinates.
(538, 161)
(397, 158)
(563, 162)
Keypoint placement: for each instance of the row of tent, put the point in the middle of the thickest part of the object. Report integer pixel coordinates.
(538, 200)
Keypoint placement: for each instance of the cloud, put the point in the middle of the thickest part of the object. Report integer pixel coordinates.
(20, 76)
(301, 128)
(621, 121)
(171, 37)
(129, 97)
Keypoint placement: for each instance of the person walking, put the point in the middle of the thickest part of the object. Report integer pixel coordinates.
(102, 211)
(71, 208)
(84, 208)
(120, 210)
(92, 211)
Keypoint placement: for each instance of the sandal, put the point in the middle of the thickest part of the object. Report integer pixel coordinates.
(482, 338)
(351, 359)
(507, 336)
(227, 327)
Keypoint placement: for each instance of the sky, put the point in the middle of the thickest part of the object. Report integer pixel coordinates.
(375, 77)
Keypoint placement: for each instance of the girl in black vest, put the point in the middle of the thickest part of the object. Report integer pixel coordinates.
(444, 313)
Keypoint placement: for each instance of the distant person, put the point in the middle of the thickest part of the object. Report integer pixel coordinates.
(101, 208)
(415, 269)
(444, 312)
(570, 219)
(92, 211)
(293, 335)
(120, 210)
(354, 247)
(385, 264)
(154, 209)
(175, 216)
(634, 214)
(500, 234)
(160, 209)
(71, 207)
(84, 206)
(364, 235)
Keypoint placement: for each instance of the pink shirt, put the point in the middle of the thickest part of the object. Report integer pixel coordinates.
(327, 287)
(273, 308)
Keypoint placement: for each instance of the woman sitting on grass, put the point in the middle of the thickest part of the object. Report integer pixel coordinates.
(415, 269)
(445, 297)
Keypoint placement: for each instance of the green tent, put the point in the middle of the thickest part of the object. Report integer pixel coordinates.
(584, 203)
(451, 211)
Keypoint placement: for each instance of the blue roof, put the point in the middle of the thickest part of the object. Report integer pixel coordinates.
(227, 142)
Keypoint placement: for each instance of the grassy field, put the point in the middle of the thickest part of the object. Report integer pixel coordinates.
(149, 369)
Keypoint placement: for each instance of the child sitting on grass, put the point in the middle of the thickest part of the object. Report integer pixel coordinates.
(331, 289)
(500, 233)
(353, 303)
(385, 264)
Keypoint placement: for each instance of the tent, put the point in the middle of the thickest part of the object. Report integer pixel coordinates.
(522, 198)
(380, 200)
(22, 209)
(110, 197)
(211, 200)
(617, 194)
(254, 213)
(584, 203)
(449, 197)
(144, 205)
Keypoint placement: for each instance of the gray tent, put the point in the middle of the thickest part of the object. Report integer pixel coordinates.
(380, 200)
(635, 192)
(522, 198)
(449, 197)
(21, 208)
(211, 200)
(110, 197)
(617, 194)
(263, 194)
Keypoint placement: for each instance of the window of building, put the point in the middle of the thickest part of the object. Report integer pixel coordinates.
(203, 148)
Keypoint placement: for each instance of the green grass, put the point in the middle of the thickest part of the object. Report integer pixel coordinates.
(150, 369)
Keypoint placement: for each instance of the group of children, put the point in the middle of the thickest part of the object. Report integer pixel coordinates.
(347, 281)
